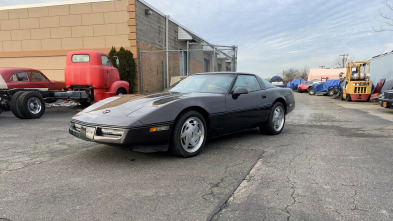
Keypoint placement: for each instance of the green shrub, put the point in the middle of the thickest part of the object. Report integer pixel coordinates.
(127, 66)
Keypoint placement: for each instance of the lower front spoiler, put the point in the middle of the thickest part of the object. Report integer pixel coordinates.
(138, 139)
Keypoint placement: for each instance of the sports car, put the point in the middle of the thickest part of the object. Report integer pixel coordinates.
(181, 118)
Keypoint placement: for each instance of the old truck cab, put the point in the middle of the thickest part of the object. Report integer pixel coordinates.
(93, 72)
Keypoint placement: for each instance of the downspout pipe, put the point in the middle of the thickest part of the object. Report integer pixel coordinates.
(167, 48)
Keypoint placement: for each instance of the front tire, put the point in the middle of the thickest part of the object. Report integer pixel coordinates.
(121, 91)
(189, 134)
(276, 122)
(311, 91)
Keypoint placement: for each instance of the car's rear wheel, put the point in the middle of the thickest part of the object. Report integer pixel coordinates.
(311, 91)
(189, 134)
(14, 105)
(31, 104)
(276, 122)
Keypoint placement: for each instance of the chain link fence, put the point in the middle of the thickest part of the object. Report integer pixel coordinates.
(160, 69)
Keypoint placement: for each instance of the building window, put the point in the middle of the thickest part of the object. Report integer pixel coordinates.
(228, 68)
(206, 67)
(183, 62)
(219, 67)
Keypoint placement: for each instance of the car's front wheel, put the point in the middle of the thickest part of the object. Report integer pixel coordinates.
(311, 91)
(189, 134)
(275, 124)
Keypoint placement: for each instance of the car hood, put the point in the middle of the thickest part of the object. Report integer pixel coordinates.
(129, 108)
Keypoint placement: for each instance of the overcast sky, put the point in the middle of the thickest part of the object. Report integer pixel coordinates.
(274, 35)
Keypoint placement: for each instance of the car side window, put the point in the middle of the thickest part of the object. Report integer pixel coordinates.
(267, 84)
(37, 76)
(19, 76)
(105, 61)
(247, 81)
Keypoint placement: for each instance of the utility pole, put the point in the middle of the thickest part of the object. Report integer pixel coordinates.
(344, 59)
(322, 66)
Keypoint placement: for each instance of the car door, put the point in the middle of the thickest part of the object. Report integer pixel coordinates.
(246, 110)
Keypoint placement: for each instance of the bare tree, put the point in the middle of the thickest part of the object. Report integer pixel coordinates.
(387, 17)
(342, 60)
(303, 74)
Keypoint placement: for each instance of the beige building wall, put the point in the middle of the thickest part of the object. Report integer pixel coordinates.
(40, 37)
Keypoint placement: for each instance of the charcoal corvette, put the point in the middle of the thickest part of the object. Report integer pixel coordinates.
(181, 118)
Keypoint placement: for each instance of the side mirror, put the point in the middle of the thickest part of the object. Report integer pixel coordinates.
(238, 91)
(117, 62)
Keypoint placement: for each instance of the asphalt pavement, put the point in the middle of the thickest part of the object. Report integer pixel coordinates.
(333, 161)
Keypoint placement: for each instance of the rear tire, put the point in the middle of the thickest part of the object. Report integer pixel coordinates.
(189, 134)
(31, 105)
(276, 122)
(15, 103)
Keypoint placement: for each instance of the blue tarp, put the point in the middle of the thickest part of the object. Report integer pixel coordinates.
(294, 83)
(325, 86)
(289, 85)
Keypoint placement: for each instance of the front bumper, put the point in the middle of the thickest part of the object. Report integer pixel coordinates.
(124, 136)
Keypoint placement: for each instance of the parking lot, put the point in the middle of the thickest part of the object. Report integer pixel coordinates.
(332, 161)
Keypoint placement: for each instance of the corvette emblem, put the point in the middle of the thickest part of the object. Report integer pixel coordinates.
(106, 111)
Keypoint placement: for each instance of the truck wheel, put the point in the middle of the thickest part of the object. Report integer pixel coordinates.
(31, 105)
(121, 91)
(14, 104)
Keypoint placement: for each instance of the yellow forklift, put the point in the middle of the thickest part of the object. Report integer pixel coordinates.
(357, 86)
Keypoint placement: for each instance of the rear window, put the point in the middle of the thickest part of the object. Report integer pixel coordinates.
(79, 58)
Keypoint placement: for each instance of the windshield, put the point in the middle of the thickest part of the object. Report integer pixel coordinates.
(205, 83)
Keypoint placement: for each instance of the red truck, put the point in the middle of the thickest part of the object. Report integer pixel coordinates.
(89, 76)
(93, 72)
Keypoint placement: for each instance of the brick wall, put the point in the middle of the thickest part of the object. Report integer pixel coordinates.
(40, 37)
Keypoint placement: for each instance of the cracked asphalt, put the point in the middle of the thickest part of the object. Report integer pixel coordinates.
(333, 161)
